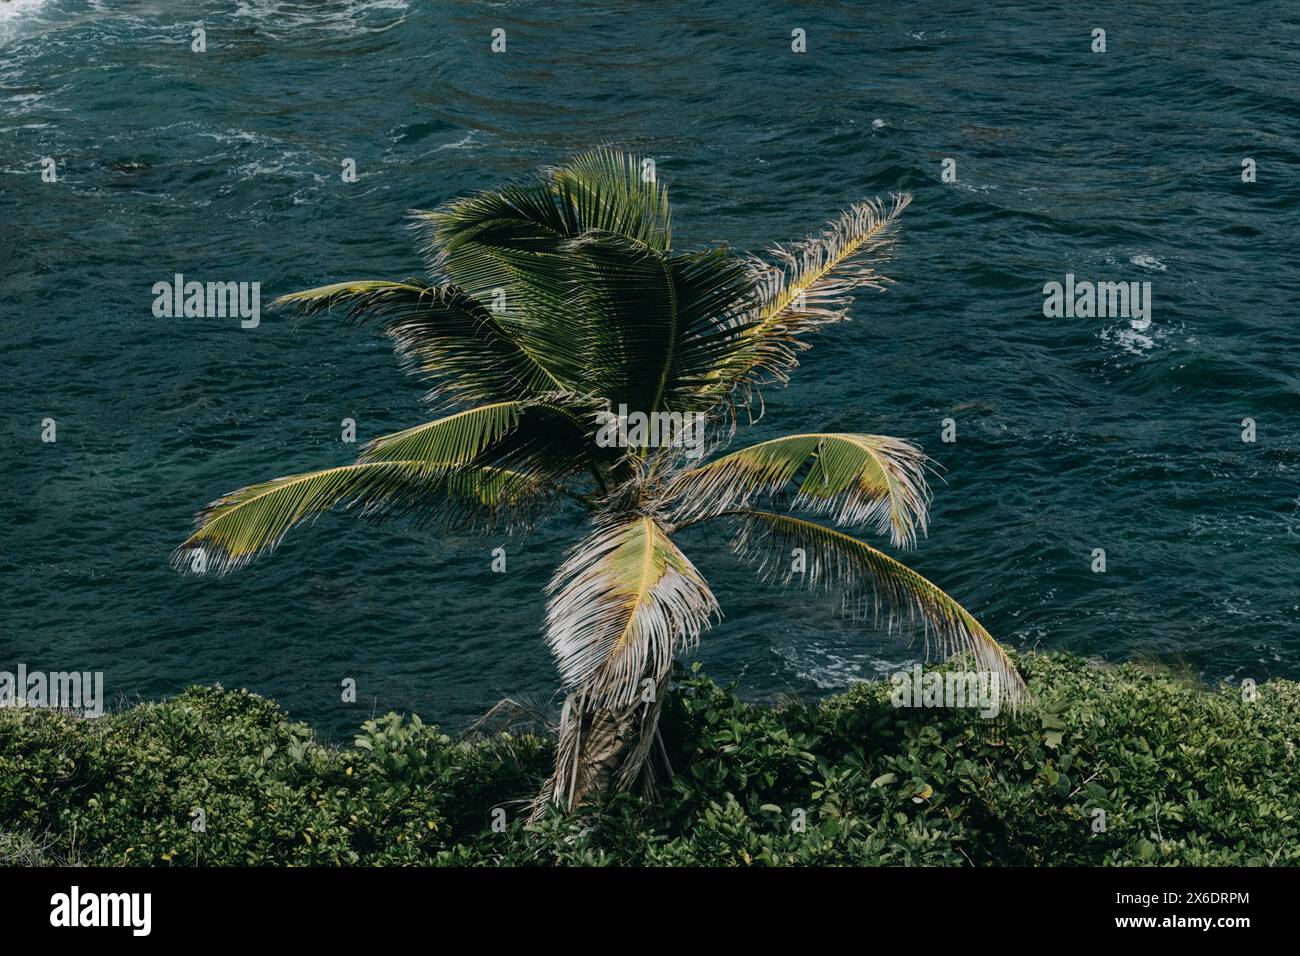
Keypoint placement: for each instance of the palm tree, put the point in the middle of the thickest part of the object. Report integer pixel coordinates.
(555, 301)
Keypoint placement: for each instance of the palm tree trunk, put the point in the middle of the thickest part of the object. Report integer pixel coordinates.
(602, 749)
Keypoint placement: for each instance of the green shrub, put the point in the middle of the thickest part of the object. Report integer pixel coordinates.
(1182, 775)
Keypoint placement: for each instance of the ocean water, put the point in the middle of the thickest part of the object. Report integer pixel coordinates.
(1121, 433)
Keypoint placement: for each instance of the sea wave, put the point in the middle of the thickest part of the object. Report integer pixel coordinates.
(13, 10)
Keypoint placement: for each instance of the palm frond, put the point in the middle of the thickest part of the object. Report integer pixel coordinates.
(614, 192)
(715, 295)
(509, 246)
(623, 602)
(446, 442)
(543, 440)
(811, 285)
(579, 260)
(530, 248)
(238, 527)
(855, 479)
(623, 300)
(659, 329)
(440, 332)
(489, 240)
(869, 583)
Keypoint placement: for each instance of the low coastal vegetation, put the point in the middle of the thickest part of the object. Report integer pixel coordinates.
(1126, 765)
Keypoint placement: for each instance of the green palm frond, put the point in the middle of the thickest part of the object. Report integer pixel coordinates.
(714, 293)
(446, 442)
(626, 294)
(614, 192)
(855, 479)
(543, 440)
(510, 243)
(621, 309)
(509, 247)
(867, 582)
(492, 240)
(579, 260)
(565, 255)
(623, 602)
(238, 527)
(658, 328)
(441, 332)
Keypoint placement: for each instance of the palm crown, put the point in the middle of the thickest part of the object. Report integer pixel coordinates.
(556, 300)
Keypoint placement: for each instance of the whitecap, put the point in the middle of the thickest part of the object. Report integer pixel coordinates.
(347, 17)
(831, 670)
(15, 9)
(1144, 261)
(1132, 339)
(466, 141)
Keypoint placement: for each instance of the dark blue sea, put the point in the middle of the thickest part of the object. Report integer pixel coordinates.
(1073, 433)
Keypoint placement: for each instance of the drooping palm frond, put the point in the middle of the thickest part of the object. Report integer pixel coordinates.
(623, 602)
(870, 583)
(622, 322)
(251, 521)
(855, 479)
(440, 332)
(489, 494)
(623, 296)
(714, 293)
(496, 237)
(509, 245)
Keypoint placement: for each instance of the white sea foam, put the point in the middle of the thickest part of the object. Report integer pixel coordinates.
(1132, 338)
(17, 9)
(1145, 261)
(464, 143)
(834, 669)
(339, 16)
